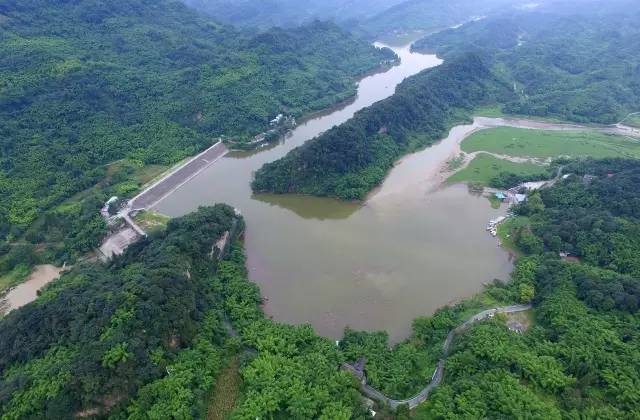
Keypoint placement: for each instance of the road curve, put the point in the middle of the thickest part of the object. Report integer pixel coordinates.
(438, 374)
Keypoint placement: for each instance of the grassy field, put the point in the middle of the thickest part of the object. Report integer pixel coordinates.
(225, 392)
(483, 168)
(519, 142)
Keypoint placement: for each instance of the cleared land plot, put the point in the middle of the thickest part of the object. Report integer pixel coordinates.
(518, 142)
(483, 168)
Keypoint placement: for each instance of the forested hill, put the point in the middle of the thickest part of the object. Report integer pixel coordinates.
(374, 18)
(349, 160)
(85, 83)
(266, 14)
(101, 333)
(575, 63)
(432, 15)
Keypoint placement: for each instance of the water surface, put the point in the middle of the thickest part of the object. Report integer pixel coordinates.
(27, 291)
(412, 248)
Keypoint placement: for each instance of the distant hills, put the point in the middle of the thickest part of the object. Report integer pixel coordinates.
(370, 17)
(268, 13)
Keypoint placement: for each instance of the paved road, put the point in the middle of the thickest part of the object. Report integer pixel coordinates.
(151, 196)
(438, 374)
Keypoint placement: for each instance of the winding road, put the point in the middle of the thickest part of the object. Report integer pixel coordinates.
(438, 374)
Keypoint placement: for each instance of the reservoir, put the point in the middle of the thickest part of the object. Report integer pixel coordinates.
(412, 247)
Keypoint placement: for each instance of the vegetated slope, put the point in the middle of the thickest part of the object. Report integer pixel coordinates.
(579, 63)
(86, 83)
(580, 359)
(432, 15)
(349, 160)
(146, 337)
(266, 14)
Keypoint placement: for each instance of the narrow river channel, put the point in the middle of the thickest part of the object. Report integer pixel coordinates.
(410, 249)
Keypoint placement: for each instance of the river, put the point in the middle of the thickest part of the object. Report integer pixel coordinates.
(410, 249)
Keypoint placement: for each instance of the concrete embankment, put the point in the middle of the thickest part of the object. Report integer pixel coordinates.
(118, 241)
(151, 196)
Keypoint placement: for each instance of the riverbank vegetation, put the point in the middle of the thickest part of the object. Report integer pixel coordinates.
(632, 120)
(571, 63)
(349, 160)
(140, 83)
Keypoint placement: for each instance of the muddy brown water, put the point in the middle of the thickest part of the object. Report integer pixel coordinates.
(27, 291)
(410, 249)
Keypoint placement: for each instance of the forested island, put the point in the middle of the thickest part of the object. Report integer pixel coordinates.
(99, 99)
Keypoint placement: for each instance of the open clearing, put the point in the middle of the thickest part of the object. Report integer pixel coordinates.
(519, 142)
(483, 168)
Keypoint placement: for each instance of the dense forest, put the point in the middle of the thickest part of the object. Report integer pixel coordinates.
(349, 160)
(578, 64)
(263, 15)
(432, 15)
(372, 18)
(148, 335)
(85, 84)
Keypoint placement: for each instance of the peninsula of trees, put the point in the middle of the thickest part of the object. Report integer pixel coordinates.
(349, 160)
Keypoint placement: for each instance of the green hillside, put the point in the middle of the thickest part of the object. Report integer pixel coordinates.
(268, 13)
(432, 15)
(579, 64)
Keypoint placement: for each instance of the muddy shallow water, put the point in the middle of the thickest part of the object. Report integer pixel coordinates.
(27, 291)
